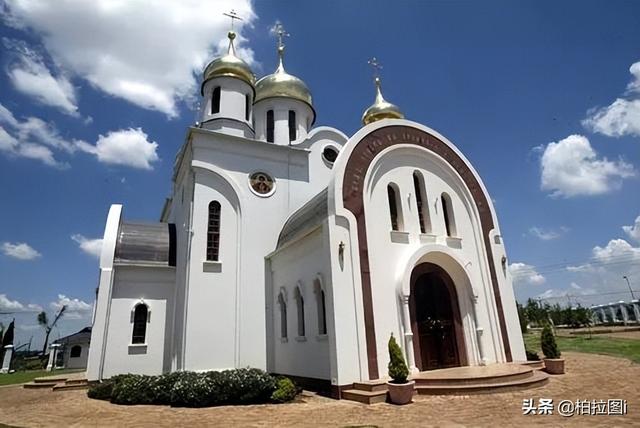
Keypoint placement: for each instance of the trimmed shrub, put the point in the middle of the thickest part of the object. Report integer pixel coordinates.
(548, 343)
(193, 389)
(285, 390)
(134, 389)
(101, 391)
(398, 370)
(532, 356)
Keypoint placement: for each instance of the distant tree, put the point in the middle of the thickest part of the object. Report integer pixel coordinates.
(43, 321)
(522, 315)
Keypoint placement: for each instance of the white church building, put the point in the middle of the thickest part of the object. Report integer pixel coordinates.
(300, 250)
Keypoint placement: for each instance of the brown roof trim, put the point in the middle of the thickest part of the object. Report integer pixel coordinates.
(352, 193)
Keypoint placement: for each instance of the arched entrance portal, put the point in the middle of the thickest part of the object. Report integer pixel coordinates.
(435, 319)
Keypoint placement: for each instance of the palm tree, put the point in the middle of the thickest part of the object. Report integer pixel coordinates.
(43, 320)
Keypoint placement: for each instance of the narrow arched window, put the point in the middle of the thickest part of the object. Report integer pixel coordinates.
(322, 309)
(447, 212)
(215, 100)
(270, 126)
(247, 107)
(394, 208)
(283, 316)
(140, 314)
(421, 206)
(76, 351)
(300, 305)
(213, 232)
(292, 126)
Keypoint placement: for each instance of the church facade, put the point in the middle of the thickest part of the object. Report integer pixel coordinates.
(300, 250)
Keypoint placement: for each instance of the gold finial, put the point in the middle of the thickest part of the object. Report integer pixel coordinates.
(373, 62)
(380, 109)
(280, 33)
(232, 34)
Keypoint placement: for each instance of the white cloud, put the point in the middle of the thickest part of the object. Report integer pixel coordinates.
(92, 247)
(144, 52)
(622, 117)
(547, 234)
(20, 251)
(32, 77)
(523, 273)
(634, 230)
(8, 305)
(571, 167)
(76, 308)
(129, 147)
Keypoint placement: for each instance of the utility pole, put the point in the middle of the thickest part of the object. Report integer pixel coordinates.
(629, 285)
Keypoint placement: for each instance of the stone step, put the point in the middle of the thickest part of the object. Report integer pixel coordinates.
(76, 382)
(67, 387)
(371, 385)
(474, 375)
(536, 365)
(49, 379)
(536, 379)
(36, 385)
(365, 397)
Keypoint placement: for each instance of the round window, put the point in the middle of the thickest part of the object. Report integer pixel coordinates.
(261, 183)
(330, 154)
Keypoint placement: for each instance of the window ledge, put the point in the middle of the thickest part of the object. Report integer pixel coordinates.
(137, 348)
(137, 345)
(212, 266)
(399, 237)
(284, 339)
(428, 238)
(301, 338)
(454, 242)
(322, 337)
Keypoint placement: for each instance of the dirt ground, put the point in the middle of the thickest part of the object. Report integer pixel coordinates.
(588, 377)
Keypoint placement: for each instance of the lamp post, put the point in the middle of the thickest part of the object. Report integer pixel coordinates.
(629, 285)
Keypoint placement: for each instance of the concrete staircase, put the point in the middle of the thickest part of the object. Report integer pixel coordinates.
(368, 392)
(58, 383)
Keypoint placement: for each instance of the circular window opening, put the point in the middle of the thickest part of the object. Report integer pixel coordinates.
(330, 154)
(261, 183)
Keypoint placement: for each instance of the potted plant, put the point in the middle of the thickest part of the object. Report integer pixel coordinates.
(400, 390)
(552, 361)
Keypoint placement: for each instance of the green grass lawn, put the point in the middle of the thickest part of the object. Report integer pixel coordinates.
(28, 376)
(625, 348)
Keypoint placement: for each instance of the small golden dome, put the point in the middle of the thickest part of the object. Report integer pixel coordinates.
(282, 84)
(381, 108)
(229, 65)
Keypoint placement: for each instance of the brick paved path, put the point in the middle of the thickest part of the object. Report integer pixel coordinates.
(588, 377)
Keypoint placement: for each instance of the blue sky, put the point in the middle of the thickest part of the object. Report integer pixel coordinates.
(542, 97)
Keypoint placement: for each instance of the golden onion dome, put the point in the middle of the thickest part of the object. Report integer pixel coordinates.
(381, 108)
(282, 84)
(229, 65)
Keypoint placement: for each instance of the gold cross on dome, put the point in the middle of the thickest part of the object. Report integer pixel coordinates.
(280, 33)
(373, 62)
(233, 15)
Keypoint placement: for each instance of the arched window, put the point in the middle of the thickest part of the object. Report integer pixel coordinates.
(215, 100)
(421, 206)
(321, 308)
(140, 314)
(300, 305)
(247, 107)
(283, 316)
(76, 351)
(394, 208)
(213, 232)
(447, 212)
(270, 126)
(292, 126)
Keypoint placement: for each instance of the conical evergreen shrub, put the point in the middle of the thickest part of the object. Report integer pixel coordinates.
(548, 343)
(398, 370)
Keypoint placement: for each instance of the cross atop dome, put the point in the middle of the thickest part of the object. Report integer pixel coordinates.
(381, 108)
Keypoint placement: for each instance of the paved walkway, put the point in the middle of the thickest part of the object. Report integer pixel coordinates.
(589, 377)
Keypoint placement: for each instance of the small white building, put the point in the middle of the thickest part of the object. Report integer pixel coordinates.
(73, 350)
(300, 250)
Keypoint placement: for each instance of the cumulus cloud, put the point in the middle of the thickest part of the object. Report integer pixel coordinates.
(147, 53)
(547, 234)
(129, 147)
(92, 247)
(8, 305)
(571, 167)
(622, 117)
(634, 230)
(31, 76)
(76, 308)
(523, 273)
(20, 251)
